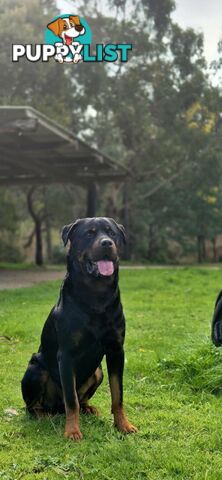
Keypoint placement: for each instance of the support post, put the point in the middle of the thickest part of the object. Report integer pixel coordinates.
(91, 200)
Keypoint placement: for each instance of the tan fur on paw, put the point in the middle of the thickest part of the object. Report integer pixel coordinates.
(74, 434)
(89, 410)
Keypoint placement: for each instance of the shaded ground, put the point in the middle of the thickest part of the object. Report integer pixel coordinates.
(27, 278)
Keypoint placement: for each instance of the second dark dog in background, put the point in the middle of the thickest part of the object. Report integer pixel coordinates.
(216, 330)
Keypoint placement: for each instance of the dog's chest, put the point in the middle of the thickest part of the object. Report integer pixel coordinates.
(94, 337)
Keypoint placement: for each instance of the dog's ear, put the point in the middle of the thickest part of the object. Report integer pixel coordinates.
(121, 230)
(67, 231)
(55, 26)
(75, 19)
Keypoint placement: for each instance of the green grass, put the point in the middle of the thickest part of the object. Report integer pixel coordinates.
(173, 386)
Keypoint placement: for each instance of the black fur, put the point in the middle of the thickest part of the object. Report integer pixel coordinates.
(86, 324)
(216, 328)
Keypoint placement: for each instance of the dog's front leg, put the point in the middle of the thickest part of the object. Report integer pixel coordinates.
(115, 366)
(68, 380)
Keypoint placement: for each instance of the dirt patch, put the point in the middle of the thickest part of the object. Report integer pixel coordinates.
(26, 278)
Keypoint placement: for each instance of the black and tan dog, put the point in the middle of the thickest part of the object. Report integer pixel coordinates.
(86, 324)
(216, 327)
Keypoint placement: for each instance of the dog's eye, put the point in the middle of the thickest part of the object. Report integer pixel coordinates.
(91, 232)
(111, 232)
(71, 24)
(65, 27)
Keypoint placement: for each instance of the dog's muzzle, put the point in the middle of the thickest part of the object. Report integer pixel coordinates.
(102, 259)
(104, 268)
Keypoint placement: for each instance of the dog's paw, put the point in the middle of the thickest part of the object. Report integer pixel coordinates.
(89, 410)
(77, 58)
(59, 58)
(74, 434)
(126, 427)
(122, 423)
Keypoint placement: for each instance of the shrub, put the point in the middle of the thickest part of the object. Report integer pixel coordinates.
(10, 253)
(58, 255)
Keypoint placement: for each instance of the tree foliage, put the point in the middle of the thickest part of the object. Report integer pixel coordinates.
(158, 114)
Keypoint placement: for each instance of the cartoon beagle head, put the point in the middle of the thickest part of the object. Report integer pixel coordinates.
(67, 28)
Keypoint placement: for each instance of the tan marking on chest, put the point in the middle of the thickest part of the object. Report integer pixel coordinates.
(77, 337)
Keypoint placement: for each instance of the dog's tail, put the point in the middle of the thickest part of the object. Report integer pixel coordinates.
(216, 327)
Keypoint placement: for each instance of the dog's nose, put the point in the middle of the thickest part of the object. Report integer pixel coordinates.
(106, 242)
(79, 28)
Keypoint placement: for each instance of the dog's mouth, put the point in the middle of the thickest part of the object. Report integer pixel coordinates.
(68, 39)
(104, 268)
(73, 32)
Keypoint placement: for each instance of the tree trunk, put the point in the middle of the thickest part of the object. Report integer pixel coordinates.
(48, 238)
(48, 229)
(204, 250)
(126, 254)
(38, 245)
(38, 220)
(214, 249)
(199, 249)
(152, 244)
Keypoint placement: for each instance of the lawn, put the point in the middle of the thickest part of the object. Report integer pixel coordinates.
(173, 385)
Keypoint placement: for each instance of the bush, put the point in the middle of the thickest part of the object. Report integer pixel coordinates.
(10, 253)
(58, 255)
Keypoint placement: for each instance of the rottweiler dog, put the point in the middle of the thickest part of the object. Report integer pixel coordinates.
(86, 324)
(216, 327)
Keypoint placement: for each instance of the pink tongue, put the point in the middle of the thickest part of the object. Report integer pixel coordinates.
(105, 267)
(68, 40)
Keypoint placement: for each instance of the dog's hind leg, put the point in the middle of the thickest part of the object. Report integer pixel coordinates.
(87, 390)
(33, 385)
(40, 393)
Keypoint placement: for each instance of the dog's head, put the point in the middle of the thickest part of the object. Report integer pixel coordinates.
(67, 28)
(95, 243)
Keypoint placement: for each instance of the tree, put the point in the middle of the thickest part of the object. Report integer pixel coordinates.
(41, 85)
(38, 214)
(158, 115)
(163, 114)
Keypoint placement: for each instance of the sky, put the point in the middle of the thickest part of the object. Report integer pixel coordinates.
(203, 15)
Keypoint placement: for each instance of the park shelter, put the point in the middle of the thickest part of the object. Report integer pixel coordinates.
(35, 150)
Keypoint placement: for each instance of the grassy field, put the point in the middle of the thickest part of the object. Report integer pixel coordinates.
(173, 385)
